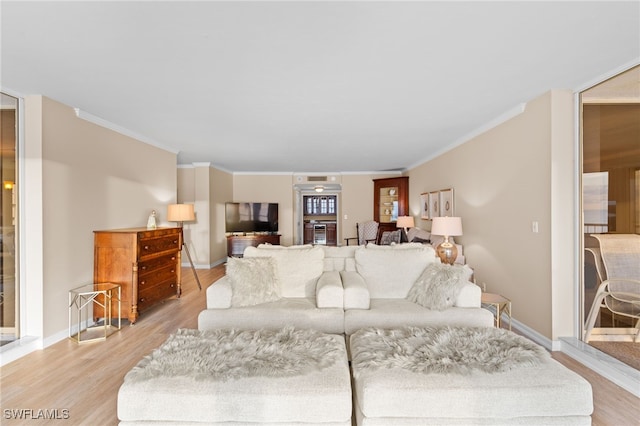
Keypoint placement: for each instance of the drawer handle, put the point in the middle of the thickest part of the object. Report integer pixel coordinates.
(142, 300)
(146, 247)
(143, 282)
(173, 258)
(173, 270)
(172, 285)
(144, 268)
(175, 241)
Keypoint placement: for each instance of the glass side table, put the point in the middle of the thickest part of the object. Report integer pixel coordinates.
(500, 303)
(84, 297)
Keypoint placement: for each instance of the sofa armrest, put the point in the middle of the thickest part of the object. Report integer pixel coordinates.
(329, 291)
(469, 296)
(219, 294)
(356, 292)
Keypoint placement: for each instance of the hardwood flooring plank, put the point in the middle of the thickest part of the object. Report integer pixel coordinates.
(85, 378)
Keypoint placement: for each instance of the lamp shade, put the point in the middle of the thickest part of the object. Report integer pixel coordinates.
(405, 222)
(180, 213)
(446, 226)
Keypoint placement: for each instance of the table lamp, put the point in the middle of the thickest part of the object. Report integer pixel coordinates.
(405, 222)
(447, 227)
(183, 213)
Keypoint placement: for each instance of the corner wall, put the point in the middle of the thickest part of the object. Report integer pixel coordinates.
(91, 178)
(517, 173)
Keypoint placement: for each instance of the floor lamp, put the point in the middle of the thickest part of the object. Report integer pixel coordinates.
(183, 213)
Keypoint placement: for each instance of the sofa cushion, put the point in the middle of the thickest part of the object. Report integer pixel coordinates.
(298, 312)
(399, 312)
(390, 271)
(253, 281)
(298, 267)
(418, 235)
(339, 258)
(320, 396)
(543, 394)
(439, 285)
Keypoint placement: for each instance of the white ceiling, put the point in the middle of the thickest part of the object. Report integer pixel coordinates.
(309, 86)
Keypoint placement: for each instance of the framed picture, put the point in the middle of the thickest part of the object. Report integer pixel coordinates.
(446, 202)
(434, 204)
(424, 205)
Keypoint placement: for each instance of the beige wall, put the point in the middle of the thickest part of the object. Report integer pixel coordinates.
(504, 179)
(519, 172)
(355, 202)
(208, 189)
(90, 178)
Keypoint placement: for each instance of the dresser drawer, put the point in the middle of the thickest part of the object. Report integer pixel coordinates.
(152, 246)
(156, 277)
(151, 295)
(152, 265)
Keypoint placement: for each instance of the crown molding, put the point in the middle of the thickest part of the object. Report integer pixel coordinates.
(119, 129)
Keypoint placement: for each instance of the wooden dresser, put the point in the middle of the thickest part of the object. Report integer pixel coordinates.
(145, 262)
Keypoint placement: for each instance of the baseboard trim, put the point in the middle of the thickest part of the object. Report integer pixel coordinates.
(19, 348)
(610, 368)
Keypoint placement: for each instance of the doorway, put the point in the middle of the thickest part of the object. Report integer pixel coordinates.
(317, 212)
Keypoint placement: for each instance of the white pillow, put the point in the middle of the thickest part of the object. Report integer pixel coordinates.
(390, 271)
(253, 280)
(439, 285)
(298, 267)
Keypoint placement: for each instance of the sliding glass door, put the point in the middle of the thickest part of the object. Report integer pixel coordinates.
(610, 119)
(9, 294)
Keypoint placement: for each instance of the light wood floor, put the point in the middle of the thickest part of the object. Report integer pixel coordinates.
(84, 379)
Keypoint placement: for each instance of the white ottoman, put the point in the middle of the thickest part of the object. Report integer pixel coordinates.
(434, 376)
(222, 377)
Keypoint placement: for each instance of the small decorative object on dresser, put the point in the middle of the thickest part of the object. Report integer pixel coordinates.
(151, 222)
(144, 262)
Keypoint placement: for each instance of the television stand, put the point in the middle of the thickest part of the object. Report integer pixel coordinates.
(237, 243)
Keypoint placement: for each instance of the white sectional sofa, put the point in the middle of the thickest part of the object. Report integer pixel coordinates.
(340, 290)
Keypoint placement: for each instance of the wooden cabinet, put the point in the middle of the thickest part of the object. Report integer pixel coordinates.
(390, 200)
(308, 233)
(332, 234)
(237, 243)
(145, 262)
(321, 233)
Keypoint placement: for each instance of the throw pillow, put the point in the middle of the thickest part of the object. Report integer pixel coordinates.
(390, 237)
(439, 285)
(420, 240)
(253, 280)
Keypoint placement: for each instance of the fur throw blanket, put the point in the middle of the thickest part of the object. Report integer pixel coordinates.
(231, 354)
(446, 350)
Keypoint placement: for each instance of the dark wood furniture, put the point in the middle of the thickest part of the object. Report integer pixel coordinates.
(145, 262)
(321, 233)
(390, 200)
(237, 243)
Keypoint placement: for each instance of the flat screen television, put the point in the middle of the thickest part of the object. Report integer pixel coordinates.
(251, 217)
